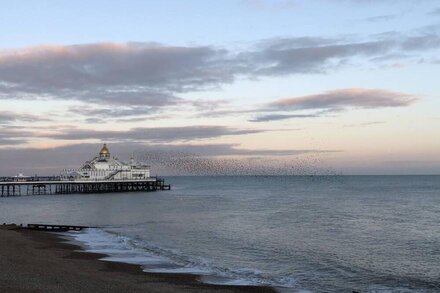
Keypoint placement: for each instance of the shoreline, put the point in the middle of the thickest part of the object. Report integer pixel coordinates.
(40, 261)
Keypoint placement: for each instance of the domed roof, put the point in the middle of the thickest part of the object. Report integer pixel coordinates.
(104, 150)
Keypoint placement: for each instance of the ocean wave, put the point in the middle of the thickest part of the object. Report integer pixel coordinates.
(155, 258)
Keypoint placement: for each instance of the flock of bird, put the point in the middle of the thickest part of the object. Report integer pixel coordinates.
(185, 163)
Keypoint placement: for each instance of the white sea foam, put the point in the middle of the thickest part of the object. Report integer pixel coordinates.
(118, 248)
(157, 259)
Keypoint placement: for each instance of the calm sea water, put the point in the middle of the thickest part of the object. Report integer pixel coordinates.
(318, 234)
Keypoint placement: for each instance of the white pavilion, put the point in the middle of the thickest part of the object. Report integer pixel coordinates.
(104, 167)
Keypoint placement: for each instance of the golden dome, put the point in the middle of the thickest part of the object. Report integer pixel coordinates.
(104, 150)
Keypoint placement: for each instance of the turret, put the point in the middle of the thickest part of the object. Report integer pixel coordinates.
(104, 153)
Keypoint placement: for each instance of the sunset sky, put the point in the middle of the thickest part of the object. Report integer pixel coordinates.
(350, 86)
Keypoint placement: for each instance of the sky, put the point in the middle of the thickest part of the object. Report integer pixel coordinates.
(264, 86)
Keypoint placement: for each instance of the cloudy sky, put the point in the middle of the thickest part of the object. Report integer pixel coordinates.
(350, 86)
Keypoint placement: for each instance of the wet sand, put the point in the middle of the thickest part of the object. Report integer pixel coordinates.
(35, 261)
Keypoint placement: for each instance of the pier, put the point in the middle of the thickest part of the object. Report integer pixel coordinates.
(10, 186)
(99, 175)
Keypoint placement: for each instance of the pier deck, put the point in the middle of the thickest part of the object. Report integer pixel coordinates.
(10, 186)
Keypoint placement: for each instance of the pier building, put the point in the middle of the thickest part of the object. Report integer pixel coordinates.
(104, 167)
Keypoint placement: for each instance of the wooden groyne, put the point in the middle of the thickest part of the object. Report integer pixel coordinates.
(55, 228)
(10, 186)
(45, 227)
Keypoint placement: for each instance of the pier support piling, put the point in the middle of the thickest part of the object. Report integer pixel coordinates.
(57, 186)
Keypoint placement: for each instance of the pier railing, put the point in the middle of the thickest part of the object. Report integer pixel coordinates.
(31, 178)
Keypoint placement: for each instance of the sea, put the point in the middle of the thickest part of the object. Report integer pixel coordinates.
(295, 233)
